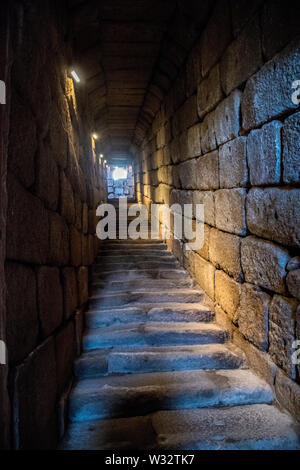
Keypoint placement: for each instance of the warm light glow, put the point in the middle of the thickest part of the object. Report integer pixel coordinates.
(95, 136)
(101, 155)
(75, 76)
(105, 162)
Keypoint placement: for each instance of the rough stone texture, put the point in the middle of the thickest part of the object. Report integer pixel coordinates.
(47, 170)
(273, 213)
(35, 392)
(291, 149)
(242, 58)
(233, 163)
(253, 315)
(282, 332)
(188, 174)
(215, 37)
(227, 294)
(194, 146)
(293, 283)
(227, 118)
(209, 92)
(262, 102)
(207, 134)
(27, 240)
(288, 394)
(59, 252)
(67, 199)
(76, 247)
(65, 349)
(83, 285)
(206, 198)
(22, 142)
(264, 264)
(294, 263)
(264, 154)
(50, 299)
(207, 171)
(22, 316)
(69, 291)
(204, 275)
(224, 252)
(279, 25)
(230, 210)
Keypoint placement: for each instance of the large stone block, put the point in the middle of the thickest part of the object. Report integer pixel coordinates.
(209, 92)
(47, 178)
(264, 154)
(76, 247)
(279, 24)
(59, 253)
(67, 205)
(242, 58)
(58, 137)
(204, 273)
(22, 327)
(233, 163)
(242, 11)
(188, 174)
(35, 400)
(216, 36)
(253, 315)
(230, 210)
(207, 134)
(224, 252)
(70, 291)
(27, 225)
(207, 171)
(50, 299)
(227, 294)
(227, 118)
(22, 141)
(78, 212)
(293, 283)
(282, 332)
(264, 264)
(291, 149)
(194, 146)
(65, 349)
(207, 199)
(83, 285)
(268, 94)
(273, 213)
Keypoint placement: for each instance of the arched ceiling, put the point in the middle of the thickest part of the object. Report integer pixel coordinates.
(129, 52)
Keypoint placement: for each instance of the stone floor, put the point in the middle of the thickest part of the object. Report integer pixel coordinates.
(157, 372)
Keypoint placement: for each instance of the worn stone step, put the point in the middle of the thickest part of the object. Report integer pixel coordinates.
(147, 284)
(136, 265)
(247, 427)
(165, 312)
(128, 242)
(159, 359)
(130, 395)
(112, 256)
(154, 334)
(140, 274)
(120, 298)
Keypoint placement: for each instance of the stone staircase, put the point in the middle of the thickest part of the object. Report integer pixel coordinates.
(157, 372)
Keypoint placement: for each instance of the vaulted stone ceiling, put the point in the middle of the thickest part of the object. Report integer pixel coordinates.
(128, 52)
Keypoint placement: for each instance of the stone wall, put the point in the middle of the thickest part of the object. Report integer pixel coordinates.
(54, 185)
(227, 135)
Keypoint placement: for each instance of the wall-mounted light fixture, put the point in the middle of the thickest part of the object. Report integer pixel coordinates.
(75, 76)
(101, 155)
(95, 136)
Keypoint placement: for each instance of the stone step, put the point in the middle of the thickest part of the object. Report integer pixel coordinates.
(140, 274)
(159, 359)
(154, 334)
(166, 312)
(246, 427)
(130, 395)
(118, 298)
(128, 242)
(113, 256)
(147, 284)
(136, 265)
